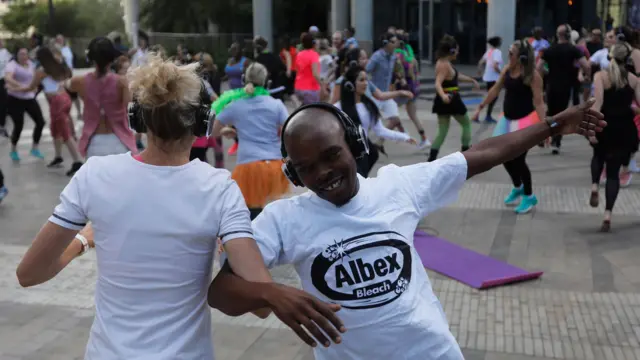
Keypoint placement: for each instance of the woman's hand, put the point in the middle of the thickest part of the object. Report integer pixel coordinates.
(406, 93)
(476, 114)
(228, 132)
(446, 98)
(412, 141)
(476, 85)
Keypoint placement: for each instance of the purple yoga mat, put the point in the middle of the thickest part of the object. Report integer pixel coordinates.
(467, 266)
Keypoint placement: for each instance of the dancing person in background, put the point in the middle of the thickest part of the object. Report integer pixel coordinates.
(448, 102)
(523, 107)
(615, 90)
(105, 96)
(51, 76)
(492, 62)
(364, 112)
(19, 73)
(308, 81)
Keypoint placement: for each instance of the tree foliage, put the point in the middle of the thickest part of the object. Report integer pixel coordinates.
(73, 18)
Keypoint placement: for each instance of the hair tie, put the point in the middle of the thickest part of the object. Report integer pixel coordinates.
(249, 89)
(348, 85)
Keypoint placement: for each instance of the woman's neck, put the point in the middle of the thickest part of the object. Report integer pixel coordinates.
(358, 98)
(153, 155)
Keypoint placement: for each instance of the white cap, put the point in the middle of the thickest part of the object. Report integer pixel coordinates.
(313, 28)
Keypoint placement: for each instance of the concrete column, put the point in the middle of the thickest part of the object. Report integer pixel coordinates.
(501, 21)
(263, 20)
(362, 21)
(339, 15)
(131, 20)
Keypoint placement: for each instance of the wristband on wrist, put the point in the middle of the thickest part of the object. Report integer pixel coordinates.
(85, 243)
(553, 125)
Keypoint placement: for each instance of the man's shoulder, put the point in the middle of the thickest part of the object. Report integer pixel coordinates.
(287, 208)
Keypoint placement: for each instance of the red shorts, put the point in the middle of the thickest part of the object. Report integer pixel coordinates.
(59, 109)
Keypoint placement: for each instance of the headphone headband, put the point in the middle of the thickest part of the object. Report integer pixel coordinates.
(203, 115)
(354, 136)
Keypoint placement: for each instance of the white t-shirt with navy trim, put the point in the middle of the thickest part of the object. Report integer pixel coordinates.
(155, 233)
(361, 256)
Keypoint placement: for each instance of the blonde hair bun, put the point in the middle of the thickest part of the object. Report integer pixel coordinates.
(160, 82)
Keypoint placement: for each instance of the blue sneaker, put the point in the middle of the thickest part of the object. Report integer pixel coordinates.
(490, 120)
(14, 156)
(3, 193)
(527, 204)
(37, 153)
(514, 196)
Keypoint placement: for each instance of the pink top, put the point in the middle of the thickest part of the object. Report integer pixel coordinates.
(102, 94)
(204, 142)
(24, 76)
(304, 77)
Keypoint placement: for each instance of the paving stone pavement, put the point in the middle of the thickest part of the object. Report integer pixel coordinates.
(586, 305)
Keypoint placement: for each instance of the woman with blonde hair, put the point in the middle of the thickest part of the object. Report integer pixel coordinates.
(257, 118)
(523, 107)
(615, 90)
(155, 237)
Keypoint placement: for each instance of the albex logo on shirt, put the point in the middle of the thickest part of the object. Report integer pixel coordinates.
(364, 271)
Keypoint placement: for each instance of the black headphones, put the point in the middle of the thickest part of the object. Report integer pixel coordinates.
(354, 136)
(203, 115)
(523, 52)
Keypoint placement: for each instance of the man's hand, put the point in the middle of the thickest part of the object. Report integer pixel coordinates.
(581, 120)
(87, 232)
(297, 308)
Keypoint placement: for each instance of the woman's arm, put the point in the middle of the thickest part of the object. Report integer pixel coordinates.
(315, 69)
(385, 133)
(9, 77)
(442, 71)
(37, 79)
(469, 79)
(635, 57)
(495, 89)
(335, 94)
(386, 95)
(48, 255)
(538, 95)
(76, 85)
(598, 91)
(288, 62)
(124, 91)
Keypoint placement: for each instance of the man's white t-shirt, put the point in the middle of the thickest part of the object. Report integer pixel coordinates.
(601, 57)
(361, 256)
(492, 57)
(67, 54)
(155, 233)
(5, 57)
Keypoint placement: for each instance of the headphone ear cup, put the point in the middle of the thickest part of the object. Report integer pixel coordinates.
(291, 174)
(136, 122)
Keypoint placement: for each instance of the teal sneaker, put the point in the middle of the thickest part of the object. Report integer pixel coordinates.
(514, 196)
(527, 204)
(37, 153)
(14, 156)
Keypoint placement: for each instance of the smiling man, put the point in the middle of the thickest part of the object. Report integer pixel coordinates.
(351, 239)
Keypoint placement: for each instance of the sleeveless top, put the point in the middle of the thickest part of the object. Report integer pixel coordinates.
(102, 99)
(456, 106)
(620, 132)
(518, 98)
(49, 85)
(234, 73)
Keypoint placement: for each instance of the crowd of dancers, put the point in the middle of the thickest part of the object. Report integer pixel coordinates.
(148, 120)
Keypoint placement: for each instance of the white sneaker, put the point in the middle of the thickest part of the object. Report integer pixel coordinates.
(424, 144)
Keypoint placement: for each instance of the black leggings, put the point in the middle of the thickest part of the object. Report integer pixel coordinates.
(614, 159)
(365, 163)
(254, 212)
(558, 96)
(3, 104)
(490, 84)
(16, 108)
(519, 173)
(1, 178)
